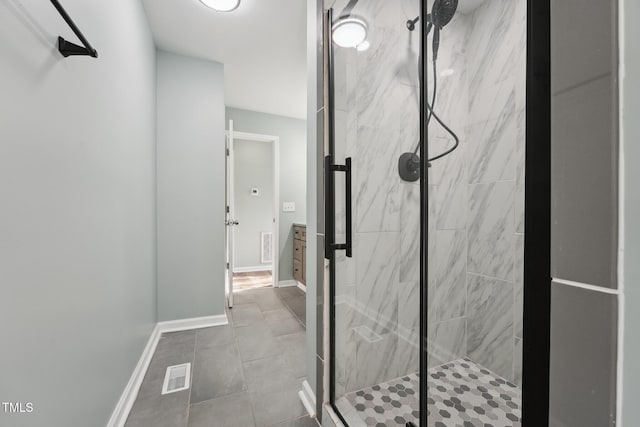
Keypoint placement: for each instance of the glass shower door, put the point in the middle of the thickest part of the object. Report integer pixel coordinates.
(373, 215)
(477, 76)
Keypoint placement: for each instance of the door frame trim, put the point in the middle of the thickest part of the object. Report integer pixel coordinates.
(275, 140)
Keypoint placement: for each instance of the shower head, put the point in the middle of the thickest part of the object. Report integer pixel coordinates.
(442, 12)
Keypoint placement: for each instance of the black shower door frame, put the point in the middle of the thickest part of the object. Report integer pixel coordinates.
(537, 245)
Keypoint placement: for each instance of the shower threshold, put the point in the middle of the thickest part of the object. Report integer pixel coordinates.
(462, 393)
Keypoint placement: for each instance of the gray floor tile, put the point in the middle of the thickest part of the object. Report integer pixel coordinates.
(217, 372)
(294, 343)
(228, 411)
(296, 363)
(151, 387)
(257, 342)
(306, 421)
(298, 307)
(268, 300)
(246, 314)
(170, 410)
(273, 407)
(168, 355)
(266, 374)
(241, 298)
(216, 336)
(285, 326)
(289, 291)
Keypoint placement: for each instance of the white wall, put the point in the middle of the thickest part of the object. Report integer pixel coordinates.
(77, 209)
(191, 187)
(293, 171)
(253, 168)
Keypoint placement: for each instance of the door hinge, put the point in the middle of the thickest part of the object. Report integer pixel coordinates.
(228, 209)
(227, 152)
(227, 266)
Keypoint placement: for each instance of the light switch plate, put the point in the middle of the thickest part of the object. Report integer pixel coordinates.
(289, 207)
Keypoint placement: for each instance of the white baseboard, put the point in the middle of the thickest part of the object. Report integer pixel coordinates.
(121, 412)
(252, 269)
(308, 398)
(287, 283)
(302, 287)
(128, 397)
(193, 323)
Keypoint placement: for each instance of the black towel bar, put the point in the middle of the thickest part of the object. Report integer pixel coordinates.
(67, 48)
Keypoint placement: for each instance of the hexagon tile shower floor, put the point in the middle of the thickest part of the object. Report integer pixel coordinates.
(462, 394)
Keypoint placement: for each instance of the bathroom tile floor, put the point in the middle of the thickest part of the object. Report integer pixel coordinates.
(245, 374)
(462, 394)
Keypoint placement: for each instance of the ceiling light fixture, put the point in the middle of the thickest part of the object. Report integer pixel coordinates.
(349, 32)
(221, 5)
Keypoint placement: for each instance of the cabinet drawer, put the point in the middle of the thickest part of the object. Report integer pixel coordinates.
(297, 250)
(304, 264)
(297, 270)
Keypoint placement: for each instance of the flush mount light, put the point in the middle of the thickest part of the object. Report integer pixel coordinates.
(221, 5)
(349, 32)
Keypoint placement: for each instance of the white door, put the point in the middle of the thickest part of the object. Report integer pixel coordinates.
(230, 221)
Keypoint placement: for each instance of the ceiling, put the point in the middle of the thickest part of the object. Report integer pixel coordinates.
(262, 45)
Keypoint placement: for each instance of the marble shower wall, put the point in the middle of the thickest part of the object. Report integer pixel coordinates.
(477, 238)
(377, 119)
(476, 197)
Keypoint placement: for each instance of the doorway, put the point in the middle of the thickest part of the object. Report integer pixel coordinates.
(252, 197)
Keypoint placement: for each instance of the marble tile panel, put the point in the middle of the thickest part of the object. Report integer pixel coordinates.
(377, 277)
(493, 41)
(491, 230)
(376, 181)
(519, 286)
(447, 341)
(410, 233)
(492, 101)
(452, 206)
(490, 323)
(451, 266)
(491, 150)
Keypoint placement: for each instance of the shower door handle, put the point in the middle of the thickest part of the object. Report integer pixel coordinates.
(330, 169)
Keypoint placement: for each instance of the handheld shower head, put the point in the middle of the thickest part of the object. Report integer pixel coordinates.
(443, 11)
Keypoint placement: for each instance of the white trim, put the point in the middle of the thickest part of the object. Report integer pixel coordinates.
(128, 397)
(302, 287)
(622, 48)
(123, 407)
(252, 269)
(247, 136)
(587, 286)
(193, 323)
(287, 283)
(308, 398)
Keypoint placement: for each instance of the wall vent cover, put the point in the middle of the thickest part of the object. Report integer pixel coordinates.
(266, 244)
(176, 378)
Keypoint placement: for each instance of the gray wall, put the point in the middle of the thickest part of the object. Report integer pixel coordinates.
(293, 171)
(77, 222)
(191, 187)
(630, 56)
(584, 212)
(253, 168)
